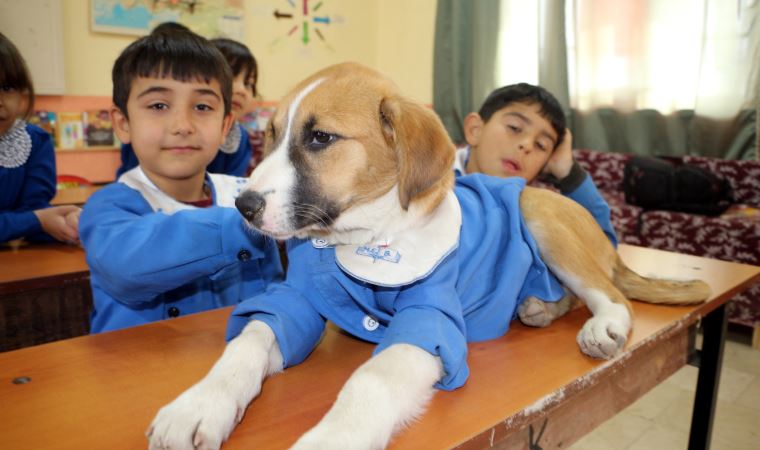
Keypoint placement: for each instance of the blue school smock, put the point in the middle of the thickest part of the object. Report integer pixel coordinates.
(233, 158)
(472, 294)
(27, 180)
(150, 264)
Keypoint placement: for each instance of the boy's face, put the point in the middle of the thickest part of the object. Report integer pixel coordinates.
(515, 142)
(175, 127)
(242, 95)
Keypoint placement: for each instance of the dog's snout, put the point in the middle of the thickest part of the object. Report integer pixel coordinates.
(250, 204)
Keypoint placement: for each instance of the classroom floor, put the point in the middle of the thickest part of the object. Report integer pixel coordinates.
(660, 420)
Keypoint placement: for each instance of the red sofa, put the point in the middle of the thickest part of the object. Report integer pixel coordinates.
(733, 236)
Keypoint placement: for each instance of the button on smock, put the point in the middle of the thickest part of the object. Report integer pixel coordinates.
(370, 323)
(173, 311)
(244, 255)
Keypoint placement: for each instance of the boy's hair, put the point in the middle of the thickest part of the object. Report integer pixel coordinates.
(240, 59)
(173, 53)
(551, 110)
(14, 72)
(169, 27)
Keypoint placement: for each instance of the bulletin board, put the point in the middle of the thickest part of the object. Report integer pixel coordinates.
(35, 27)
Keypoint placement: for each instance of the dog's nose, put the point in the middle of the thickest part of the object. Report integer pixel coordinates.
(250, 204)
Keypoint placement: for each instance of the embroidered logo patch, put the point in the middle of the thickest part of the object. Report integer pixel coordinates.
(379, 252)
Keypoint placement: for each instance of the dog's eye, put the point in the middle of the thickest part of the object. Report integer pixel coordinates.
(320, 139)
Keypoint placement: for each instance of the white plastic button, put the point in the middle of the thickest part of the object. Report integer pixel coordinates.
(370, 324)
(319, 243)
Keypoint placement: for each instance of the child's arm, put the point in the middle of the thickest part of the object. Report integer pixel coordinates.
(139, 254)
(31, 213)
(575, 183)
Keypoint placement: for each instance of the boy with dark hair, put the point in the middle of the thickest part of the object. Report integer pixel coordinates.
(234, 156)
(165, 239)
(520, 131)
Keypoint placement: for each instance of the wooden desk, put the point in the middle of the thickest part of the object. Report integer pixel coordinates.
(45, 294)
(102, 391)
(73, 195)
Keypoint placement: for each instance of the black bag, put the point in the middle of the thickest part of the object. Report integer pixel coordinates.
(656, 183)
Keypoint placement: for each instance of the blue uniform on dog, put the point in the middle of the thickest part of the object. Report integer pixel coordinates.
(471, 295)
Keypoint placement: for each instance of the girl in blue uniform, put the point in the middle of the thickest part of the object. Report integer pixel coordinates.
(165, 240)
(235, 153)
(27, 162)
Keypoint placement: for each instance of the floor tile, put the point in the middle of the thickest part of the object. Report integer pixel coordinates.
(659, 437)
(750, 397)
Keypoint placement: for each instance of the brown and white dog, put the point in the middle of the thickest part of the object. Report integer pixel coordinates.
(383, 165)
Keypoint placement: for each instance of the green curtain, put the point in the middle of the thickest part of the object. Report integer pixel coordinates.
(649, 132)
(464, 59)
(464, 73)
(552, 58)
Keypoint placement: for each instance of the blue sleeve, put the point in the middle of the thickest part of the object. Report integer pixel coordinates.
(589, 197)
(128, 160)
(428, 315)
(297, 326)
(37, 191)
(237, 163)
(139, 254)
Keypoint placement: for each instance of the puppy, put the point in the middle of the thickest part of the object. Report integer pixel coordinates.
(360, 180)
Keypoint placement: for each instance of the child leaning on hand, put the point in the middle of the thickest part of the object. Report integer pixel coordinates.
(520, 131)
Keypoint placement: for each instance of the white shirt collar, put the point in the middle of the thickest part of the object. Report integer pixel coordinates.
(461, 158)
(224, 190)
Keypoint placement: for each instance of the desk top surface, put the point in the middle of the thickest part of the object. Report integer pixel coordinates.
(102, 391)
(32, 265)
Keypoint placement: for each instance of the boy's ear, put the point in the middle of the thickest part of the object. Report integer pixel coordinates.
(229, 119)
(473, 126)
(120, 125)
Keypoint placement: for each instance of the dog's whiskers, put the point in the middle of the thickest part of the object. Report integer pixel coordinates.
(310, 212)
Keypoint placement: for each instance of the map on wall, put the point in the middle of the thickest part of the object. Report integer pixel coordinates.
(209, 18)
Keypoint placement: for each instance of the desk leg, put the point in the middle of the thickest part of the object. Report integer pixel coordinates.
(711, 359)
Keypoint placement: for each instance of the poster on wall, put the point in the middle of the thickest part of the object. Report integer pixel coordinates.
(209, 18)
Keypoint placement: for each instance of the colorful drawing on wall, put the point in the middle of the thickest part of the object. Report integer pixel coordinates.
(209, 18)
(305, 22)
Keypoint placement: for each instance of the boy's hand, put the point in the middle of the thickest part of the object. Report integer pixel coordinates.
(561, 161)
(61, 222)
(72, 219)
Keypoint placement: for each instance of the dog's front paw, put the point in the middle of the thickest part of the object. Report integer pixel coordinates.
(605, 334)
(201, 418)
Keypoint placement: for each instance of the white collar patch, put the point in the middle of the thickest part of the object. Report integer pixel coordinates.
(15, 146)
(403, 259)
(225, 190)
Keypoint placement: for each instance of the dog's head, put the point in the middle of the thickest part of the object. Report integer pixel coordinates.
(342, 140)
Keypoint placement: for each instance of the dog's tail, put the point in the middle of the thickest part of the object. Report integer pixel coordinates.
(655, 290)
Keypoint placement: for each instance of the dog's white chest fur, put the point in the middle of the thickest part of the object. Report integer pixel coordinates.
(408, 256)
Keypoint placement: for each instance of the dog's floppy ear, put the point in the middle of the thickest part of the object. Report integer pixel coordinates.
(425, 151)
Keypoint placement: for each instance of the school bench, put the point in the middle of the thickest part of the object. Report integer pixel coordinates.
(45, 294)
(530, 387)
